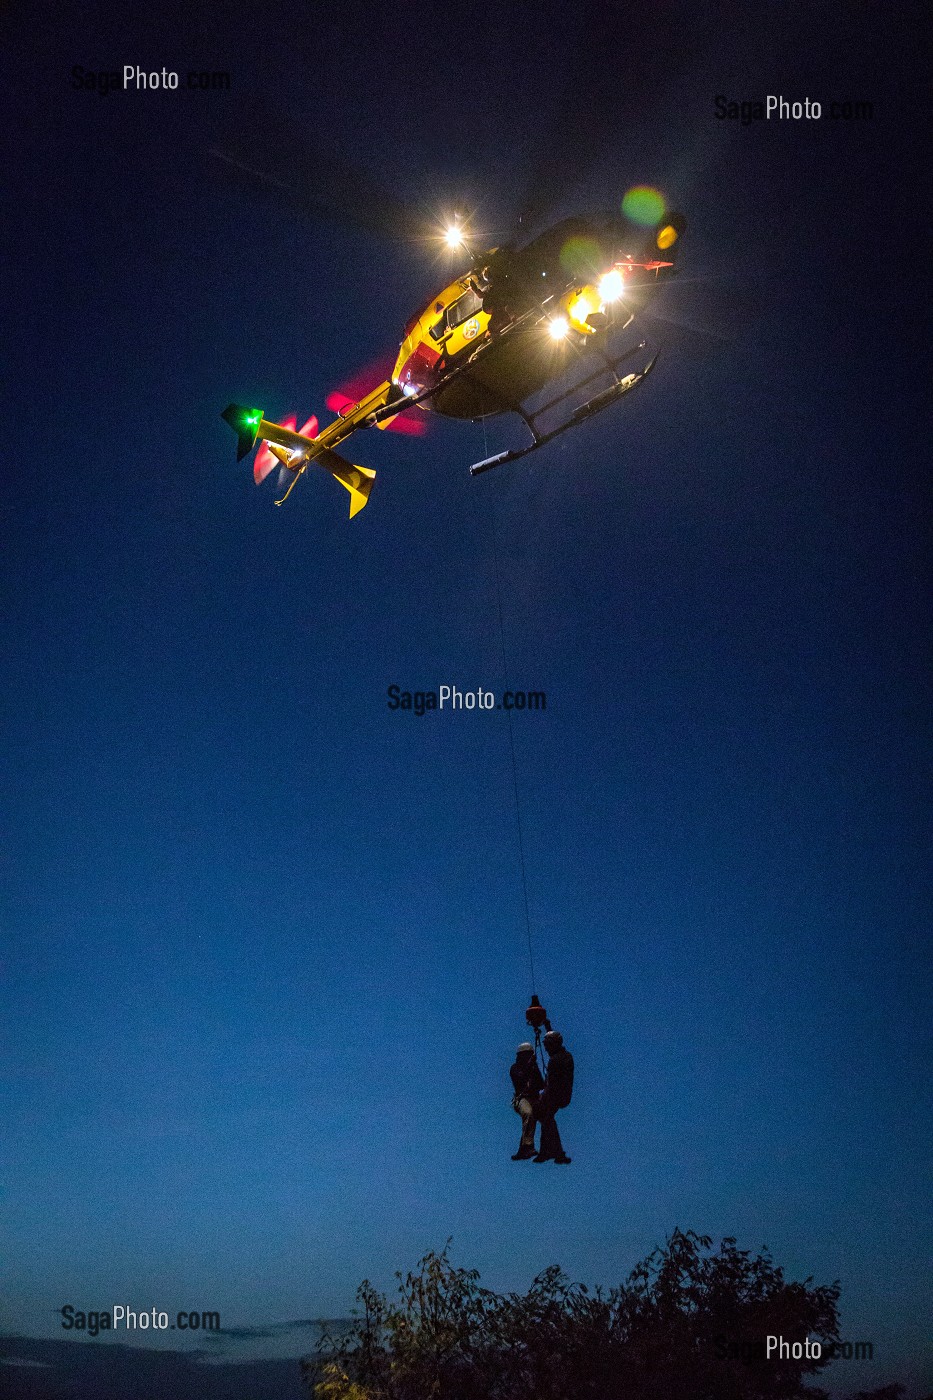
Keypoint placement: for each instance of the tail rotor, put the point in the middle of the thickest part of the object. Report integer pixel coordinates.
(269, 453)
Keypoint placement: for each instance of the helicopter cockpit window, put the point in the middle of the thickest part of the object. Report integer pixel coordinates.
(459, 311)
(464, 308)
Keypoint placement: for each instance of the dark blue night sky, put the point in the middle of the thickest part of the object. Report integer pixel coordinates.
(263, 939)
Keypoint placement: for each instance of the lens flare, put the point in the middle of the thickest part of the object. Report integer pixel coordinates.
(558, 328)
(453, 236)
(581, 258)
(643, 205)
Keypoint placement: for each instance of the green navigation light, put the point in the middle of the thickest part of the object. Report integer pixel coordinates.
(244, 422)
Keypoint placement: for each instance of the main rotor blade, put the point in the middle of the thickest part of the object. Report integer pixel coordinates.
(580, 121)
(602, 98)
(270, 154)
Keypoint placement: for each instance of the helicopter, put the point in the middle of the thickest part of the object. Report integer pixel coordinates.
(515, 321)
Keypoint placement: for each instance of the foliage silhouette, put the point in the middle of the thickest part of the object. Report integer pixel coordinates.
(689, 1322)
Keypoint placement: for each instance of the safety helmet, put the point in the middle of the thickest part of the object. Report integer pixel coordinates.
(525, 1048)
(553, 1038)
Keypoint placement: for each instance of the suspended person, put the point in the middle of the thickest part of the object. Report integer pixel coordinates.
(558, 1088)
(527, 1082)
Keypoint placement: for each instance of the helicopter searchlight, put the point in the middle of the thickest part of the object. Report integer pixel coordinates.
(611, 285)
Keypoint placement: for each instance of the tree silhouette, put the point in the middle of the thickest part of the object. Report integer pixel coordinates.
(884, 1392)
(689, 1322)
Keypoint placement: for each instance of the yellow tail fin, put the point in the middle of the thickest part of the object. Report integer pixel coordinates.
(357, 480)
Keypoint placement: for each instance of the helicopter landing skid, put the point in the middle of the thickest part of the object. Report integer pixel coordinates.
(585, 410)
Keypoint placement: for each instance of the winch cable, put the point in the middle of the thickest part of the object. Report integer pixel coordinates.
(518, 808)
(505, 676)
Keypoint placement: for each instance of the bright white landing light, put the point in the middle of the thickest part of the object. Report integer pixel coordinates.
(558, 328)
(453, 237)
(611, 286)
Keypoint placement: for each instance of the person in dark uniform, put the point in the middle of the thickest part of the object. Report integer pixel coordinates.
(558, 1088)
(527, 1082)
(496, 286)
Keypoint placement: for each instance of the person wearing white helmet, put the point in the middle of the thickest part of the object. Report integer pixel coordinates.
(558, 1088)
(527, 1083)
